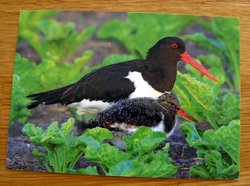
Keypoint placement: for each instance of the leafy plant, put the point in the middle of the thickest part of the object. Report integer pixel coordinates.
(55, 43)
(219, 149)
(61, 153)
(45, 76)
(28, 20)
(18, 112)
(225, 46)
(49, 74)
(140, 31)
(62, 150)
(50, 39)
(206, 102)
(140, 158)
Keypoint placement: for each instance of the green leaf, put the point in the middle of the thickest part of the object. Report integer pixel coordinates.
(160, 165)
(200, 171)
(26, 71)
(61, 149)
(230, 134)
(34, 133)
(99, 134)
(206, 102)
(87, 171)
(143, 141)
(195, 96)
(225, 46)
(45, 76)
(53, 135)
(106, 155)
(28, 19)
(67, 127)
(214, 162)
(18, 111)
(58, 42)
(219, 149)
(192, 134)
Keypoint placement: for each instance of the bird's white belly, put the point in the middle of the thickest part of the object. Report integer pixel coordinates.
(160, 127)
(142, 88)
(90, 107)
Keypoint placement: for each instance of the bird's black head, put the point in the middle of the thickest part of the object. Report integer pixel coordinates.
(167, 50)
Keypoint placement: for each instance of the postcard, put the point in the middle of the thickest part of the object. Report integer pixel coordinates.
(126, 94)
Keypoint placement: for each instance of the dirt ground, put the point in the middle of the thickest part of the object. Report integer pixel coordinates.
(19, 154)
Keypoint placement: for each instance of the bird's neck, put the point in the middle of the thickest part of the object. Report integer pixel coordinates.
(160, 75)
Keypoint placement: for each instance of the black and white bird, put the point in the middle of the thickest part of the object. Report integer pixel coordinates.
(150, 77)
(125, 116)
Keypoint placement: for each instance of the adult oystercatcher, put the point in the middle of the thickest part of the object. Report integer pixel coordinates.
(125, 116)
(149, 77)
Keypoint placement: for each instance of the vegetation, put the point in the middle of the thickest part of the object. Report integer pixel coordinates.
(219, 149)
(62, 150)
(216, 104)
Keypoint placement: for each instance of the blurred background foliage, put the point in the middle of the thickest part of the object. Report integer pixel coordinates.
(56, 43)
(217, 104)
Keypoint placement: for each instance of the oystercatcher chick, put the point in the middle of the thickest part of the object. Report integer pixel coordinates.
(149, 77)
(125, 116)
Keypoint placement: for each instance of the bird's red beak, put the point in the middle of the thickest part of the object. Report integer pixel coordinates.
(182, 113)
(188, 59)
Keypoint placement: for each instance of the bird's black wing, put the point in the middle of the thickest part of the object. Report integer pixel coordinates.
(107, 84)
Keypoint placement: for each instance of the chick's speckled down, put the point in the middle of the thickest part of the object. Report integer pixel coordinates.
(131, 113)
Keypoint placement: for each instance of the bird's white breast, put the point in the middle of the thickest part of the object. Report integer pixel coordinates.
(142, 88)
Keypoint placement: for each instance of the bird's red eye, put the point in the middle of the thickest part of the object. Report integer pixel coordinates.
(174, 45)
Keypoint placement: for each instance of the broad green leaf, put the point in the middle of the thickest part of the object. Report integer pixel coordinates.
(230, 134)
(206, 102)
(191, 132)
(200, 171)
(214, 162)
(159, 166)
(99, 134)
(143, 141)
(225, 45)
(195, 96)
(18, 110)
(219, 149)
(105, 154)
(87, 171)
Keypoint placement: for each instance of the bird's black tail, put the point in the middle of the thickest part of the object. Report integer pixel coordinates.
(47, 98)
